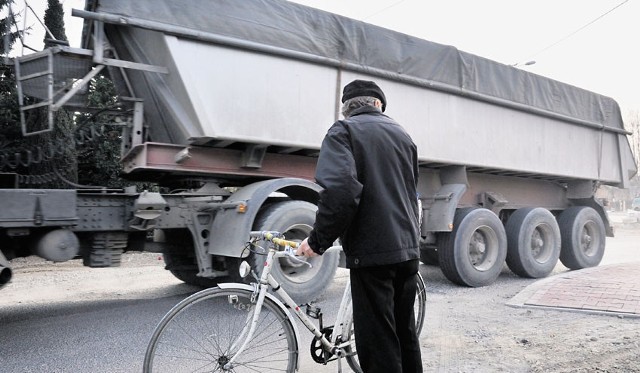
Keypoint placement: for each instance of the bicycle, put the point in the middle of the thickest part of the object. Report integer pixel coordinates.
(251, 329)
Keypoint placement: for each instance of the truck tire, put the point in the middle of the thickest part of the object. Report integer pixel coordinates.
(473, 253)
(429, 256)
(185, 269)
(583, 237)
(180, 260)
(295, 219)
(533, 242)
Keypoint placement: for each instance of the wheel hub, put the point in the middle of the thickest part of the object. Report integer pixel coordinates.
(537, 244)
(477, 248)
(223, 361)
(586, 239)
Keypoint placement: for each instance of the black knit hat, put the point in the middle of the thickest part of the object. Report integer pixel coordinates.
(359, 88)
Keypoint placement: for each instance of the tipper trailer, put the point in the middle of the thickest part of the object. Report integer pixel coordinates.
(236, 97)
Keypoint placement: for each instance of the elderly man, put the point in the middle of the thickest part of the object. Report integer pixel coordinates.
(368, 168)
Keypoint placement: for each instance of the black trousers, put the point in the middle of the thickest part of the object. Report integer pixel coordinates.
(384, 320)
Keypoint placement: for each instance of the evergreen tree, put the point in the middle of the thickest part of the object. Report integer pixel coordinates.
(10, 135)
(64, 126)
(9, 112)
(99, 156)
(98, 153)
(8, 37)
(54, 20)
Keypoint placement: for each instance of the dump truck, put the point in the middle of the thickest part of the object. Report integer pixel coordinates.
(228, 103)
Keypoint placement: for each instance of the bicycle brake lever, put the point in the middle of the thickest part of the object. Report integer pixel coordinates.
(290, 253)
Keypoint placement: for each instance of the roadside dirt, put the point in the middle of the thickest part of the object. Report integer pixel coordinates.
(466, 330)
(473, 330)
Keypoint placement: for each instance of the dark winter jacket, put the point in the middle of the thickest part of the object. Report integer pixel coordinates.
(368, 168)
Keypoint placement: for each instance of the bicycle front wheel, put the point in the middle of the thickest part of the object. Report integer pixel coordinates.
(419, 311)
(203, 333)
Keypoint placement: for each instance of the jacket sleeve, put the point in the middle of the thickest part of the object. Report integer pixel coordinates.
(335, 172)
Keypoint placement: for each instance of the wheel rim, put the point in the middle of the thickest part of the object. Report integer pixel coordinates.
(540, 243)
(589, 240)
(482, 248)
(201, 333)
(295, 271)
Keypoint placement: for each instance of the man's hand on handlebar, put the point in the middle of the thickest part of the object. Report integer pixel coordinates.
(305, 249)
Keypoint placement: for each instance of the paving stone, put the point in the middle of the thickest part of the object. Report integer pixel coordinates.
(612, 289)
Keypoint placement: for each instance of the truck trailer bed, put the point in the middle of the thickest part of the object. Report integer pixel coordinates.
(271, 72)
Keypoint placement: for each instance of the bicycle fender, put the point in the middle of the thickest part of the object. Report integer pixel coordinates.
(231, 285)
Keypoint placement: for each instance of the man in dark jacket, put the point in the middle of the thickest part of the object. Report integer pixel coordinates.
(368, 168)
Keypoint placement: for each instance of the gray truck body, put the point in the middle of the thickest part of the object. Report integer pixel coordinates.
(275, 71)
(241, 94)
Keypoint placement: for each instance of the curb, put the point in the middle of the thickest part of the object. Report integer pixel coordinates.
(584, 291)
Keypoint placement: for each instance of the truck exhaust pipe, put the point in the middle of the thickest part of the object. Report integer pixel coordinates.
(5, 271)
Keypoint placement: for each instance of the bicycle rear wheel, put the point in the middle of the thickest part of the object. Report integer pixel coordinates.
(419, 311)
(420, 306)
(204, 331)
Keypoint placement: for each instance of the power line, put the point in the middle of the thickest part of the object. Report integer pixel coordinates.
(576, 31)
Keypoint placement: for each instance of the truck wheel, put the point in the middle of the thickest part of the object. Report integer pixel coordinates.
(295, 219)
(583, 237)
(429, 256)
(180, 259)
(473, 253)
(533, 242)
(185, 269)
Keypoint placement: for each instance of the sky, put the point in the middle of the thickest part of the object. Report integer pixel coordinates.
(580, 42)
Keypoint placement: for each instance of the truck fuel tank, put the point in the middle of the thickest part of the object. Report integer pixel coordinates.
(57, 245)
(5, 271)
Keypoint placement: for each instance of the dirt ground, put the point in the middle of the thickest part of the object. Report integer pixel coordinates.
(466, 330)
(474, 330)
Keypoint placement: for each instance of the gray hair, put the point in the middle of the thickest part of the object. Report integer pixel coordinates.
(357, 102)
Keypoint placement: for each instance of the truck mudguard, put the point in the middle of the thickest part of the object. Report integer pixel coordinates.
(230, 228)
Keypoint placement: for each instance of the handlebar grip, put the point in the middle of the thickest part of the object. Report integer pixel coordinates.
(281, 242)
(272, 236)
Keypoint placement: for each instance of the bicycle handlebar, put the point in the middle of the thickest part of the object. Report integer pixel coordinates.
(272, 236)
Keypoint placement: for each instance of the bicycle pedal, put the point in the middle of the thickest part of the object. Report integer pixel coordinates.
(313, 311)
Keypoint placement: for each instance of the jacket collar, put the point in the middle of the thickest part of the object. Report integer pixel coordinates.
(366, 110)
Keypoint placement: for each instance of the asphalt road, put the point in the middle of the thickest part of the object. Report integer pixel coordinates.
(67, 318)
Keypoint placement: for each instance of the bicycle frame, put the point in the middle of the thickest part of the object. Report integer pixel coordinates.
(185, 337)
(267, 281)
(231, 285)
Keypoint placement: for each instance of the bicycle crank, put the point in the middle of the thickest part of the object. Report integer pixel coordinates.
(319, 354)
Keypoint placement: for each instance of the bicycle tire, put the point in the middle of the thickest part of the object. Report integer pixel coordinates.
(419, 310)
(197, 334)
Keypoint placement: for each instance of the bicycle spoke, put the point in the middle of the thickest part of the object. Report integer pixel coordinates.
(200, 336)
(214, 330)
